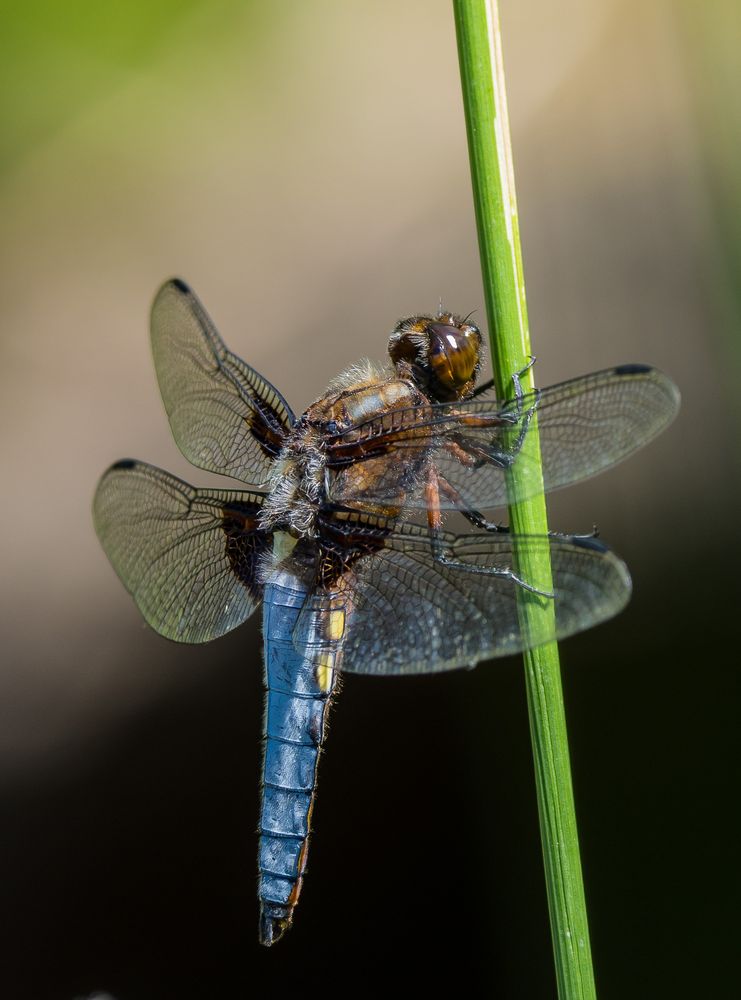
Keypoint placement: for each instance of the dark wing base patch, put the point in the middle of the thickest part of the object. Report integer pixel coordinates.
(225, 417)
(189, 557)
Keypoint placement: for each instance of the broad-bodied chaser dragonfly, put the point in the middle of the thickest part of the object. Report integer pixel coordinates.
(345, 543)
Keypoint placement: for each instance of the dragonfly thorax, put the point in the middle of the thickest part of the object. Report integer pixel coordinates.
(296, 488)
(304, 480)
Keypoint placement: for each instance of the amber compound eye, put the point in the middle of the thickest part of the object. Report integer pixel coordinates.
(442, 354)
(454, 358)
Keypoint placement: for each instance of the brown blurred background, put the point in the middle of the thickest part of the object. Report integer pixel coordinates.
(304, 167)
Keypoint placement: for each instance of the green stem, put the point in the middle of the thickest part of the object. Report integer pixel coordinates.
(490, 152)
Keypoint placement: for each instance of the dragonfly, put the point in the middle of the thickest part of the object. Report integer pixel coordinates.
(344, 533)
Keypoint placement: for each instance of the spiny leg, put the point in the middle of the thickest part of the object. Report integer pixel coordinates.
(462, 505)
(485, 386)
(475, 454)
(439, 552)
(517, 376)
(478, 520)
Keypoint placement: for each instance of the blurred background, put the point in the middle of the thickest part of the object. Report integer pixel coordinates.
(304, 167)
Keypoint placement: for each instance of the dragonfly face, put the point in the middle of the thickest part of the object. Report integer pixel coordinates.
(341, 535)
(441, 355)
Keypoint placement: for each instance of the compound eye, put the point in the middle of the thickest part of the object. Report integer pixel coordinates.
(454, 354)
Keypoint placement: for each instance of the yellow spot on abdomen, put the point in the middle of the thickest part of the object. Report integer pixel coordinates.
(325, 670)
(336, 624)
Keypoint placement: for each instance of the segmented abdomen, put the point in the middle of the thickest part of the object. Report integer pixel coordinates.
(299, 682)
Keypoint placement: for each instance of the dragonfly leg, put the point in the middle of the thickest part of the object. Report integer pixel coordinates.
(478, 520)
(507, 456)
(470, 513)
(517, 376)
(481, 389)
(486, 386)
(432, 501)
(477, 454)
(496, 452)
(594, 533)
(442, 556)
(474, 454)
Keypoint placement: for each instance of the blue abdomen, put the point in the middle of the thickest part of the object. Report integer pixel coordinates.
(299, 686)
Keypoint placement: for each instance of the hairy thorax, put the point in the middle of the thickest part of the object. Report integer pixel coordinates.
(302, 482)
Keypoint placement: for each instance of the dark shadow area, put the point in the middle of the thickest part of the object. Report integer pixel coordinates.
(132, 870)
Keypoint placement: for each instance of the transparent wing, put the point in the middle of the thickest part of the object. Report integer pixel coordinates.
(586, 425)
(225, 417)
(407, 614)
(188, 557)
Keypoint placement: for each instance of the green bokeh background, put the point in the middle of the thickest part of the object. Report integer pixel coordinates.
(304, 166)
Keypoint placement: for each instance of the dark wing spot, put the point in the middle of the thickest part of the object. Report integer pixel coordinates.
(125, 463)
(632, 369)
(246, 544)
(588, 542)
(181, 286)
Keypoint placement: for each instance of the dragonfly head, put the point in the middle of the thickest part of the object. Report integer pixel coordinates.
(442, 354)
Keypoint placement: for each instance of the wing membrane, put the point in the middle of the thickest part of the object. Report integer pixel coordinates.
(225, 417)
(586, 425)
(188, 557)
(407, 614)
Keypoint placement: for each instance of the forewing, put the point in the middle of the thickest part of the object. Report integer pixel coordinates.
(224, 416)
(586, 425)
(189, 558)
(407, 614)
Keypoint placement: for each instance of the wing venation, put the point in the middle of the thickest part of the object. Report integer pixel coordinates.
(190, 558)
(225, 416)
(585, 426)
(408, 614)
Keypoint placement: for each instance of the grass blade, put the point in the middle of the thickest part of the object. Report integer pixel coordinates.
(490, 152)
